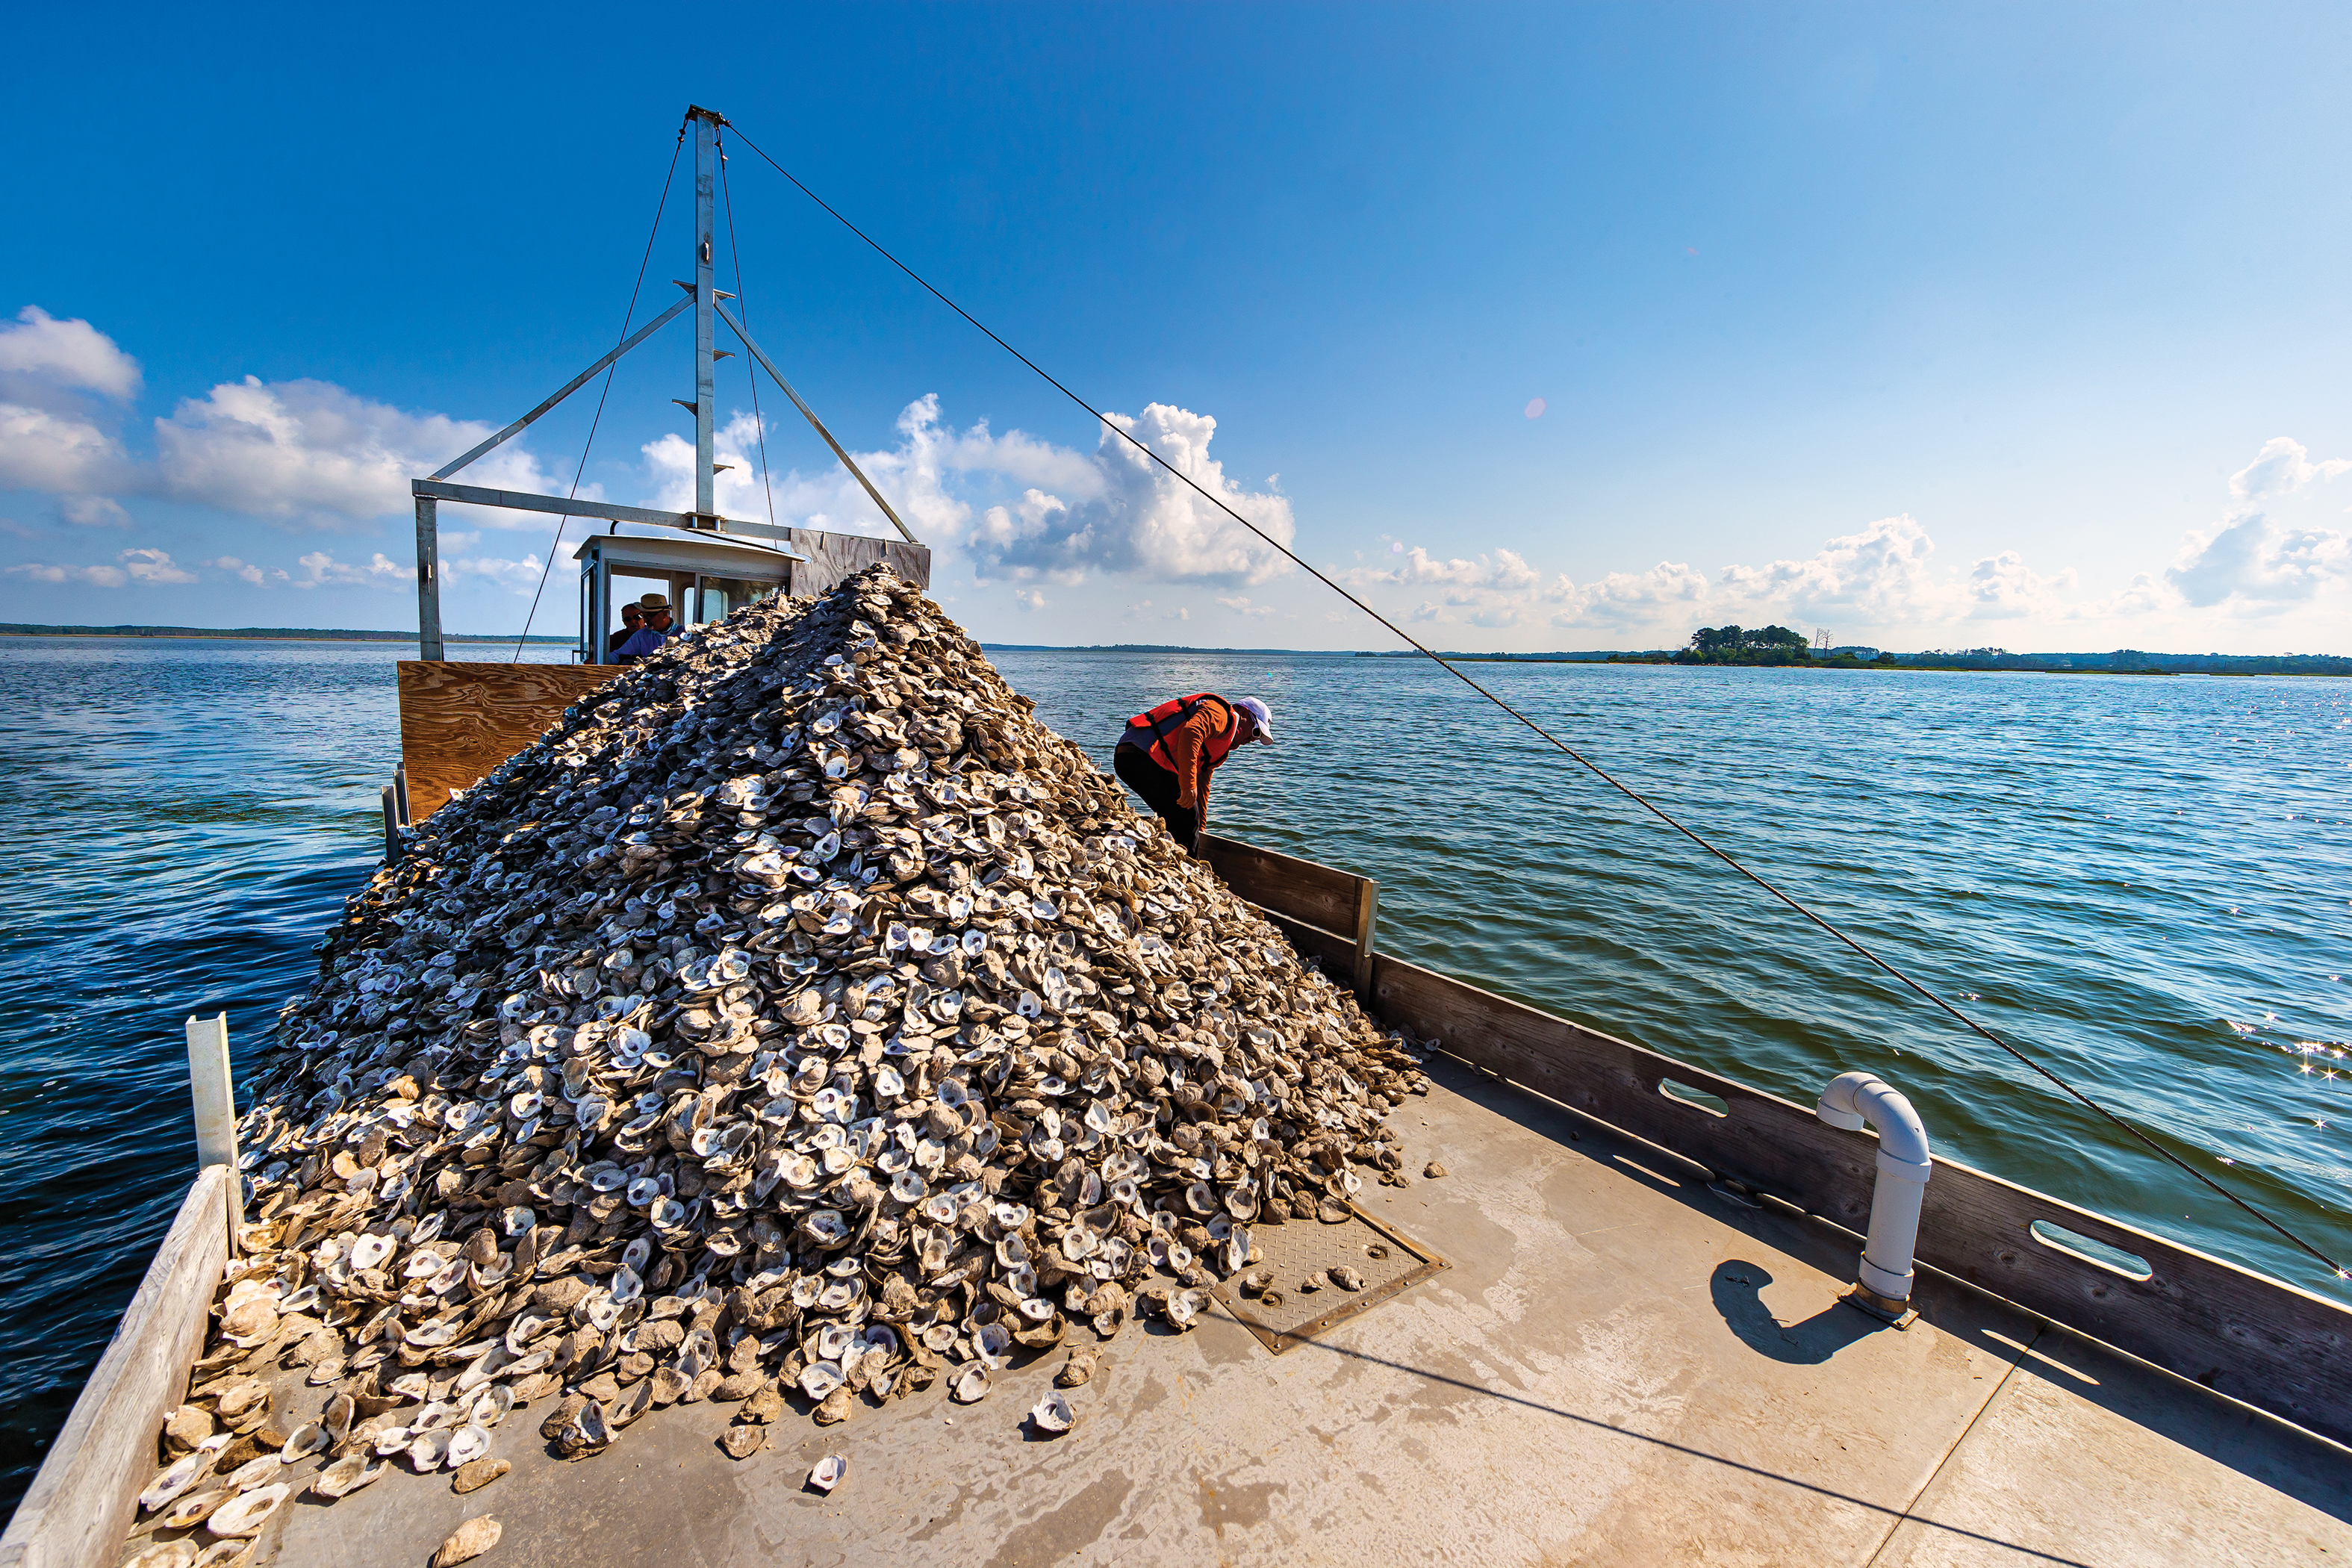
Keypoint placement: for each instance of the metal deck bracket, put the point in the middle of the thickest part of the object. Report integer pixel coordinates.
(1895, 1315)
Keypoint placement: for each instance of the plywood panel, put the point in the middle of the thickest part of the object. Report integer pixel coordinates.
(2240, 1333)
(834, 556)
(1333, 909)
(1300, 889)
(458, 722)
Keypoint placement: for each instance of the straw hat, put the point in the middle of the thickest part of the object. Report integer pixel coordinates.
(652, 601)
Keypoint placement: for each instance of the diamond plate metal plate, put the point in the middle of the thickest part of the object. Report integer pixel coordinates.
(1305, 1248)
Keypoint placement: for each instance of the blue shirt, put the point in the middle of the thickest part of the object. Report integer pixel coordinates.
(645, 641)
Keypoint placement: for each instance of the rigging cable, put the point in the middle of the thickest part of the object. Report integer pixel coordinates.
(1571, 752)
(750, 367)
(595, 646)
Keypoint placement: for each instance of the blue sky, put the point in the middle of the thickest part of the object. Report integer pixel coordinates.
(1544, 328)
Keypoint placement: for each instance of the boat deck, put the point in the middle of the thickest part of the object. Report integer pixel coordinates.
(1619, 1366)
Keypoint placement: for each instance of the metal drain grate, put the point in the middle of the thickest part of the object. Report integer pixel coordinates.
(1305, 1248)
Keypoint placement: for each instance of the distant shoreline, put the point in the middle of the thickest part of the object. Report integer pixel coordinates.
(2122, 661)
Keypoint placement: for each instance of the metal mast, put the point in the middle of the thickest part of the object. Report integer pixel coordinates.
(706, 393)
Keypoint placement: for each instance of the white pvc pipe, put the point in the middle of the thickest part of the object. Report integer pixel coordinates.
(1904, 1163)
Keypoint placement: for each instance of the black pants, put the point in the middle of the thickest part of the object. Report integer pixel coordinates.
(1157, 787)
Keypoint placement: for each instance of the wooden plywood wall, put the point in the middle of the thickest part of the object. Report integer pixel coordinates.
(457, 721)
(834, 556)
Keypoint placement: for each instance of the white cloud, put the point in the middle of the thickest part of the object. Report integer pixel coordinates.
(1878, 576)
(311, 451)
(101, 576)
(93, 511)
(1631, 598)
(260, 577)
(2254, 560)
(321, 570)
(2002, 587)
(65, 355)
(149, 566)
(57, 451)
(153, 566)
(1240, 605)
(1076, 514)
(1029, 598)
(2282, 467)
(1502, 590)
(55, 378)
(522, 577)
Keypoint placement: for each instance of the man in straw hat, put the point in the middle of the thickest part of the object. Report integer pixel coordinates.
(1168, 753)
(648, 638)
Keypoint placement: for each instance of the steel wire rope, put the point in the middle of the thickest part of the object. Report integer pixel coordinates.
(1571, 752)
(610, 371)
(750, 367)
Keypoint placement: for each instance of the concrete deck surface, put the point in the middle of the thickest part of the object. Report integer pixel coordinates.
(1619, 1367)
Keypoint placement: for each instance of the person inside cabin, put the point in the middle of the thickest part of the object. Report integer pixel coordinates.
(648, 638)
(632, 619)
(1167, 755)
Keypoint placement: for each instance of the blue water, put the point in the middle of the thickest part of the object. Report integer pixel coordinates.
(2146, 879)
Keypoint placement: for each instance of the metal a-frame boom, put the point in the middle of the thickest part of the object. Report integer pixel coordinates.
(702, 297)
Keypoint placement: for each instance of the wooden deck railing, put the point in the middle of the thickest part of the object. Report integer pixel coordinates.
(2271, 1344)
(1327, 914)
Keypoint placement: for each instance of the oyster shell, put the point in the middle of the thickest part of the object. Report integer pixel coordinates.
(1053, 1415)
(249, 1511)
(346, 1476)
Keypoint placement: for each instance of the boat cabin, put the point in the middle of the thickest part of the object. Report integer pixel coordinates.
(702, 578)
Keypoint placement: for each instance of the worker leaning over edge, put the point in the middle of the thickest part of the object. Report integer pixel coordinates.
(1167, 755)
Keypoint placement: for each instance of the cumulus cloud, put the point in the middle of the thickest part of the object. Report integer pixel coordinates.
(58, 383)
(321, 570)
(1055, 515)
(2002, 587)
(1878, 576)
(2255, 561)
(70, 354)
(153, 566)
(58, 452)
(2252, 560)
(99, 576)
(312, 452)
(518, 577)
(2282, 467)
(93, 511)
(149, 566)
(1501, 590)
(260, 577)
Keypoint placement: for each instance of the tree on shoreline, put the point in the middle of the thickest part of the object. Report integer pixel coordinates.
(1740, 645)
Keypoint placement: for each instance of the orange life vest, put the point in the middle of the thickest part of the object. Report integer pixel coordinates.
(1170, 716)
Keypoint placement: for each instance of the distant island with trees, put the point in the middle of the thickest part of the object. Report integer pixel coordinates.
(1781, 647)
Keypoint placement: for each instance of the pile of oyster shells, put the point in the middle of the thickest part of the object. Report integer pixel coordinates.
(798, 1020)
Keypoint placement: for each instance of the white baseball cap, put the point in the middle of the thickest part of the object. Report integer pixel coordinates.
(1260, 715)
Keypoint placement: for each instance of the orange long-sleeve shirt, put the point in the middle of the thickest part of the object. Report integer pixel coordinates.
(1187, 748)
